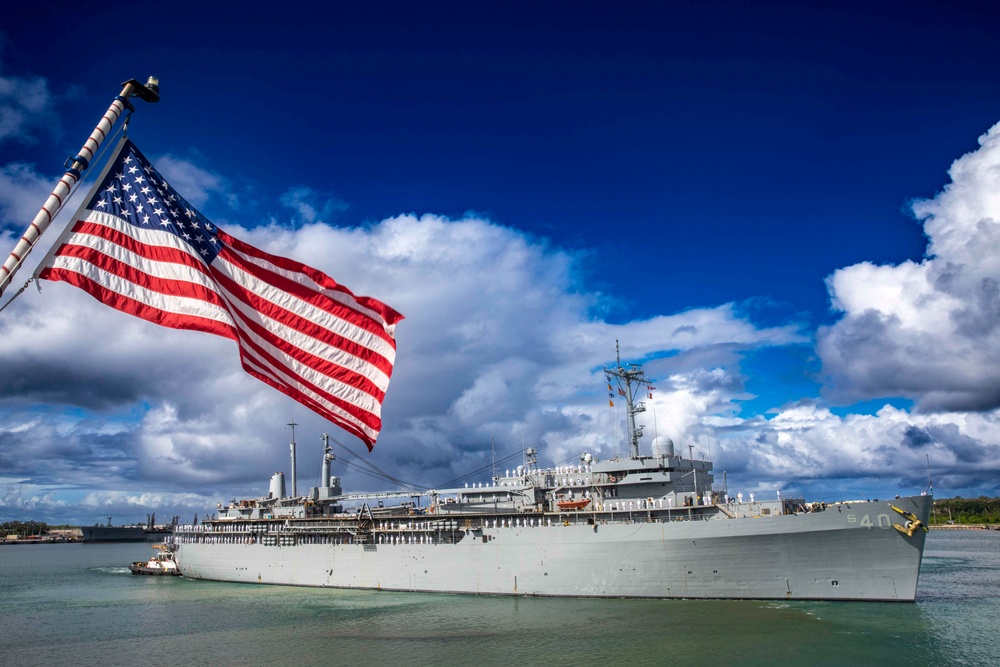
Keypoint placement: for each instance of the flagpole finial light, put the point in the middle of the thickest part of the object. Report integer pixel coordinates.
(147, 92)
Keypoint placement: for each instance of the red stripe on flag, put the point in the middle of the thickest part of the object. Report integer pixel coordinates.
(348, 307)
(368, 439)
(364, 417)
(387, 313)
(137, 308)
(305, 326)
(324, 367)
(171, 288)
(158, 253)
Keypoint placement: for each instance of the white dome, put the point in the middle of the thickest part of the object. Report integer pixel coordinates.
(663, 446)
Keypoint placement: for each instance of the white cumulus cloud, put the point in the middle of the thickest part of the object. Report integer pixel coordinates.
(929, 331)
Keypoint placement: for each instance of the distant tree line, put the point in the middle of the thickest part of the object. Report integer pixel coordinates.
(966, 510)
(23, 528)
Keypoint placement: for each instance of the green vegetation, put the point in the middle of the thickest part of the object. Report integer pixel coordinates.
(23, 528)
(979, 510)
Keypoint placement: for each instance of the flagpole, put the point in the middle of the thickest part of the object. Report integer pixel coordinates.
(150, 92)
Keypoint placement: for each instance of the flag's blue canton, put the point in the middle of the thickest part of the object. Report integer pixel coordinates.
(134, 191)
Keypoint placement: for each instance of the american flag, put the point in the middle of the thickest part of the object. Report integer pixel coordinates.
(140, 247)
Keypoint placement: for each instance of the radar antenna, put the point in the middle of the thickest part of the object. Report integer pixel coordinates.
(629, 381)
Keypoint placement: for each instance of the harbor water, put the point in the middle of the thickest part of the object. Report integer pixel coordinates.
(78, 604)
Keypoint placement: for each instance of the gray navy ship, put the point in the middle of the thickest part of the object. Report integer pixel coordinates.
(151, 532)
(642, 526)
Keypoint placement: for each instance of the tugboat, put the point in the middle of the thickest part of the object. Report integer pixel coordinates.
(161, 564)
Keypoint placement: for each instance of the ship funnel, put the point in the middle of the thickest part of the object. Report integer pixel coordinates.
(328, 456)
(663, 446)
(295, 486)
(277, 489)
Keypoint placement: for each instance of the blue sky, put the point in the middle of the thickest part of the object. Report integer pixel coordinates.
(755, 199)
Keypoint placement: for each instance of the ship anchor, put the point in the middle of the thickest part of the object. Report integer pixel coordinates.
(912, 523)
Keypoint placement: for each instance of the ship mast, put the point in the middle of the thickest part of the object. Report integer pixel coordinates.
(629, 381)
(493, 458)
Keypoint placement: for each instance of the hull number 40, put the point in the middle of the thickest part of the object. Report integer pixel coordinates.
(883, 520)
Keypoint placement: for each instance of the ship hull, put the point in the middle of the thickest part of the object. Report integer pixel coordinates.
(848, 552)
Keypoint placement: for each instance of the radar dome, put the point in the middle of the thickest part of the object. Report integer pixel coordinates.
(663, 446)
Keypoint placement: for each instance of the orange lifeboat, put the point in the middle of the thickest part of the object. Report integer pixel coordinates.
(573, 504)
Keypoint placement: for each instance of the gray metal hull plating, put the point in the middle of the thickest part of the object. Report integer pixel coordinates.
(848, 552)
